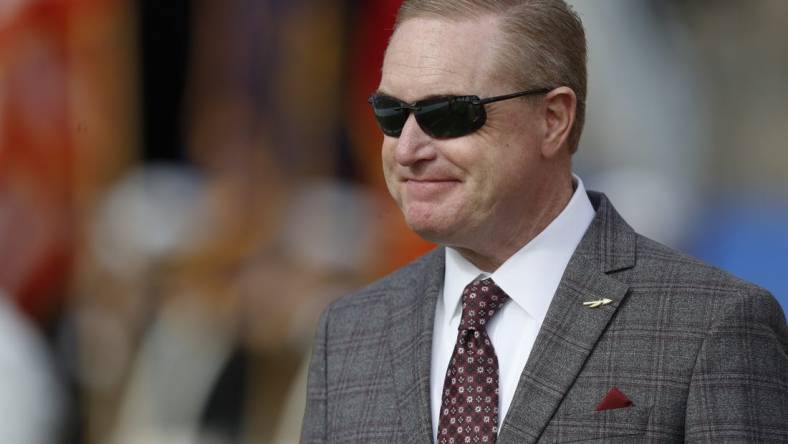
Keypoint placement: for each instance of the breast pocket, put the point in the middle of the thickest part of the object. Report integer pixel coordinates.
(623, 425)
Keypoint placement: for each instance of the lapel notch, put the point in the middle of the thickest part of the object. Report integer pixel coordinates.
(611, 241)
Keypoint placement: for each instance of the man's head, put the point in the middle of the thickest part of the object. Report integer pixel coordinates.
(543, 42)
(495, 187)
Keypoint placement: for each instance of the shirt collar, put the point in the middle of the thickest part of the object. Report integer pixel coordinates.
(530, 276)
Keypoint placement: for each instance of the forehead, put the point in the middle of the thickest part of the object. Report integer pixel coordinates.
(429, 56)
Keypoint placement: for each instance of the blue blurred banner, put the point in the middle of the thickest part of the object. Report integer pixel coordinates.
(748, 236)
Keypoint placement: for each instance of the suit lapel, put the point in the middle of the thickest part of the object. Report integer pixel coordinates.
(570, 329)
(412, 313)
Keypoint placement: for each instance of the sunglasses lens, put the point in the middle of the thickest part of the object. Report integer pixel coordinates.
(390, 114)
(443, 117)
(439, 117)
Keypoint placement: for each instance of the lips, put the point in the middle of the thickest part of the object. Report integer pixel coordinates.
(422, 189)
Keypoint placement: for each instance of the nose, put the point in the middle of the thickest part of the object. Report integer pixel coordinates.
(413, 145)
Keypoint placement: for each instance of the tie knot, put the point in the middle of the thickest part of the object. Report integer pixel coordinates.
(481, 299)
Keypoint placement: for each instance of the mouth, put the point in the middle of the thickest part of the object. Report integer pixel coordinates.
(422, 189)
(429, 180)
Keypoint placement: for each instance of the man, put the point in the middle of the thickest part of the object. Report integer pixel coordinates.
(543, 317)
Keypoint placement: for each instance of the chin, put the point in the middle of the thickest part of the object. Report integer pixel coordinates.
(430, 234)
(431, 230)
(432, 222)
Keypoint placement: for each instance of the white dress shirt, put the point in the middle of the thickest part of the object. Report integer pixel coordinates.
(530, 277)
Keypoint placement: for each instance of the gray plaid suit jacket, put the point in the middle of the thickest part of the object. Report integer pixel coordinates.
(702, 354)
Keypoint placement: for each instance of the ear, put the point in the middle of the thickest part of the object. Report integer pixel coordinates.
(560, 106)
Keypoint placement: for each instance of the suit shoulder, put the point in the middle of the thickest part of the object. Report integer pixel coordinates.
(659, 266)
(657, 260)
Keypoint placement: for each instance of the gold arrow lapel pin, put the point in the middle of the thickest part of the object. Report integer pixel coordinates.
(597, 303)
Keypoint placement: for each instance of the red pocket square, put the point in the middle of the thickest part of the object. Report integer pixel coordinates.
(613, 400)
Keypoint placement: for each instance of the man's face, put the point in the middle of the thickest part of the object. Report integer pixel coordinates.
(470, 190)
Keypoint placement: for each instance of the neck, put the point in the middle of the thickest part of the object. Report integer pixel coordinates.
(499, 247)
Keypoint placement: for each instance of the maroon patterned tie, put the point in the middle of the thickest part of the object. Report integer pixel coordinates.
(469, 406)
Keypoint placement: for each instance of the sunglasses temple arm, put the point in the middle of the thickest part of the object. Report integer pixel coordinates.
(514, 95)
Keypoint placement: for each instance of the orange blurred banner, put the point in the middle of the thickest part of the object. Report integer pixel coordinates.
(39, 162)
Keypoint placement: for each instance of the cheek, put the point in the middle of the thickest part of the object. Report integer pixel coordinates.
(389, 166)
(499, 170)
(387, 156)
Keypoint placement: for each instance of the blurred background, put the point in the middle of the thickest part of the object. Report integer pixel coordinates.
(185, 185)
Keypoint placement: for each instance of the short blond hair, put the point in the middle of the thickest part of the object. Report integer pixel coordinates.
(545, 44)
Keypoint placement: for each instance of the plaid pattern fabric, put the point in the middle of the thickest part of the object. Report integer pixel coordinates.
(703, 356)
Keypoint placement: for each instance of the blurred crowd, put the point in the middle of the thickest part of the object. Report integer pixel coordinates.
(185, 185)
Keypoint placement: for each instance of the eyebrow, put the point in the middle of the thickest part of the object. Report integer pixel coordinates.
(383, 92)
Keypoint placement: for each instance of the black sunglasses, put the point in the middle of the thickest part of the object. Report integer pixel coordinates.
(441, 117)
